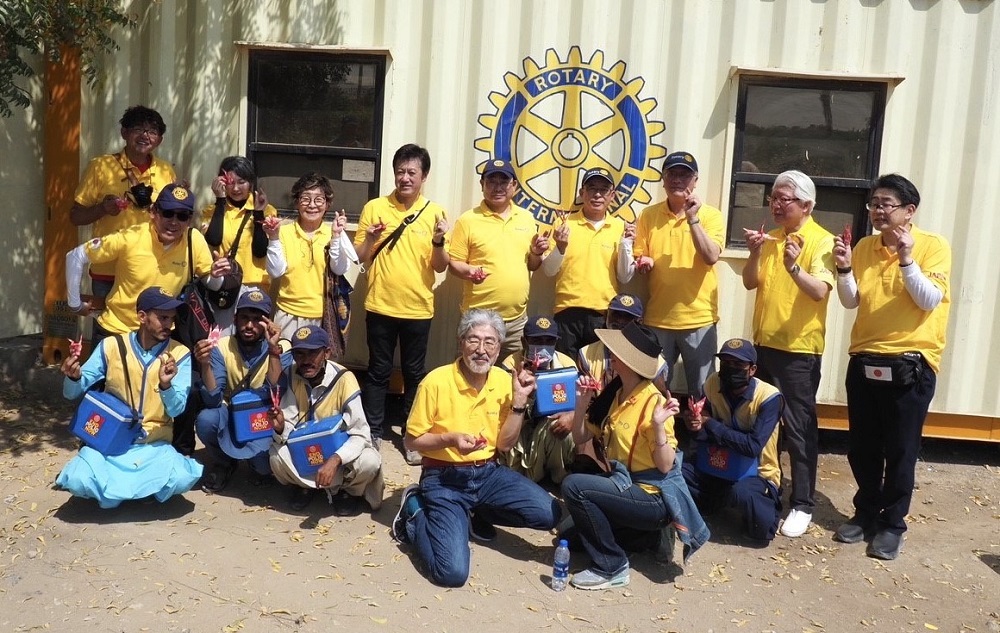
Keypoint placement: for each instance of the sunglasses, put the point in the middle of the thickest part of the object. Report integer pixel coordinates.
(182, 216)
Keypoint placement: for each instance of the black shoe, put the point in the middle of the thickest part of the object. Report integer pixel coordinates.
(262, 480)
(345, 505)
(301, 498)
(481, 529)
(854, 531)
(218, 477)
(885, 545)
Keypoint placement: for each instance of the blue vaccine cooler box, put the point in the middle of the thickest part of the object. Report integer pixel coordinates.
(249, 411)
(315, 442)
(105, 424)
(555, 391)
(725, 463)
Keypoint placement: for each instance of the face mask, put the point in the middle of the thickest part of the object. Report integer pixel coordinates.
(733, 379)
(543, 353)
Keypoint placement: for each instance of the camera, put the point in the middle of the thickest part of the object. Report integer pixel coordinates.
(142, 195)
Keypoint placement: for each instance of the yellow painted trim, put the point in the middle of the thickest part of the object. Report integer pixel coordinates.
(942, 425)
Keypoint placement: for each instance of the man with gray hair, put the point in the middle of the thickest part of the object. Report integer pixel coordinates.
(463, 413)
(791, 267)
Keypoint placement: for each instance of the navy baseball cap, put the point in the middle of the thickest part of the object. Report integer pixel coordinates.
(498, 166)
(310, 337)
(254, 300)
(740, 349)
(175, 196)
(597, 172)
(629, 304)
(680, 159)
(541, 326)
(156, 298)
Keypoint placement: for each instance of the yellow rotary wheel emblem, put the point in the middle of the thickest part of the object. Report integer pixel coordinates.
(563, 118)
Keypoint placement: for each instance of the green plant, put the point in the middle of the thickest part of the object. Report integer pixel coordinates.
(32, 27)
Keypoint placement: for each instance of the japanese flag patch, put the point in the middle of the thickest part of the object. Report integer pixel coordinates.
(874, 372)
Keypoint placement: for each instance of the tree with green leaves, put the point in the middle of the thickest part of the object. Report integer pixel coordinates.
(33, 27)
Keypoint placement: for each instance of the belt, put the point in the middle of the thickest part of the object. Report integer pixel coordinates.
(430, 462)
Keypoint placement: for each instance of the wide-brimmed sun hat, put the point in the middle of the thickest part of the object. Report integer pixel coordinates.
(636, 346)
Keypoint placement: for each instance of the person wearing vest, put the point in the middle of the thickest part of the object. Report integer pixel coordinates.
(465, 412)
(739, 427)
(235, 363)
(595, 359)
(313, 388)
(155, 383)
(545, 446)
(644, 494)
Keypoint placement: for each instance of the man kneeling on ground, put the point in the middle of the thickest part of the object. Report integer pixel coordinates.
(462, 415)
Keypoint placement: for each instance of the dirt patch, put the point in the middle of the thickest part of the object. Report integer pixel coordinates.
(241, 561)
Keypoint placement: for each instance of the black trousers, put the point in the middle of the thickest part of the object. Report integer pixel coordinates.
(576, 329)
(797, 378)
(886, 424)
(384, 332)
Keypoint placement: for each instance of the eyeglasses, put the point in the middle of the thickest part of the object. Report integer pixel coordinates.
(488, 344)
(598, 191)
(182, 216)
(307, 201)
(883, 206)
(781, 202)
(144, 131)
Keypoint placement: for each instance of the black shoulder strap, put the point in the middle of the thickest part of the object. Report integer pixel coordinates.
(243, 384)
(309, 414)
(120, 339)
(239, 233)
(190, 257)
(398, 232)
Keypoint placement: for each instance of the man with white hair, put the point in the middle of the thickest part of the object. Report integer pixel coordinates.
(462, 415)
(791, 267)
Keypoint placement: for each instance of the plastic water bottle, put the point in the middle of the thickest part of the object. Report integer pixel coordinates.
(560, 566)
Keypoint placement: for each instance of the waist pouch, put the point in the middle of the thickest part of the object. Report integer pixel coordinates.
(891, 370)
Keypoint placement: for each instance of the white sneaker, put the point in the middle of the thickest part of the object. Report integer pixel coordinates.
(796, 523)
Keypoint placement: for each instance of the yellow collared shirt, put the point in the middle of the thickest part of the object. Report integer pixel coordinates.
(300, 289)
(784, 317)
(587, 278)
(684, 290)
(500, 246)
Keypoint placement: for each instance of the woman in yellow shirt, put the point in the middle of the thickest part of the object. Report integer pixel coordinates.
(644, 490)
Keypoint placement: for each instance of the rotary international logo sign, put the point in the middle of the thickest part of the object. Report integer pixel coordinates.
(561, 119)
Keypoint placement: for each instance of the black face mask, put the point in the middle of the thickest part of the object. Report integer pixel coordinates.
(733, 379)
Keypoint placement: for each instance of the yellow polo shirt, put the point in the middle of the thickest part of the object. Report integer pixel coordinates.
(483, 238)
(784, 317)
(138, 260)
(445, 402)
(683, 289)
(254, 268)
(401, 280)
(587, 278)
(300, 289)
(630, 422)
(888, 320)
(104, 176)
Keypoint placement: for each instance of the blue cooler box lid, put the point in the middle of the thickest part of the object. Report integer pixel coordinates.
(555, 390)
(313, 443)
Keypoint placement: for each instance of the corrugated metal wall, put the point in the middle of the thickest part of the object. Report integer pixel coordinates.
(447, 56)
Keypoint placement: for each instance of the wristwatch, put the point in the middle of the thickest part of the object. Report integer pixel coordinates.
(794, 270)
(519, 410)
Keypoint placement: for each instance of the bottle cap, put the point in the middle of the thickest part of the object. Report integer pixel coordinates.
(563, 542)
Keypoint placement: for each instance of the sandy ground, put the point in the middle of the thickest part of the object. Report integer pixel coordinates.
(241, 561)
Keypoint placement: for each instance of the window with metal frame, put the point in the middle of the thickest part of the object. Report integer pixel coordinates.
(829, 129)
(312, 111)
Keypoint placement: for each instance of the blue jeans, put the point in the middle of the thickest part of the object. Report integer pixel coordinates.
(440, 533)
(600, 509)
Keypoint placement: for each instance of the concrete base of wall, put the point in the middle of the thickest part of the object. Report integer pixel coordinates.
(21, 367)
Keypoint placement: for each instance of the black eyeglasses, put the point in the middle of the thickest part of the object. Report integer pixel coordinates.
(182, 216)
